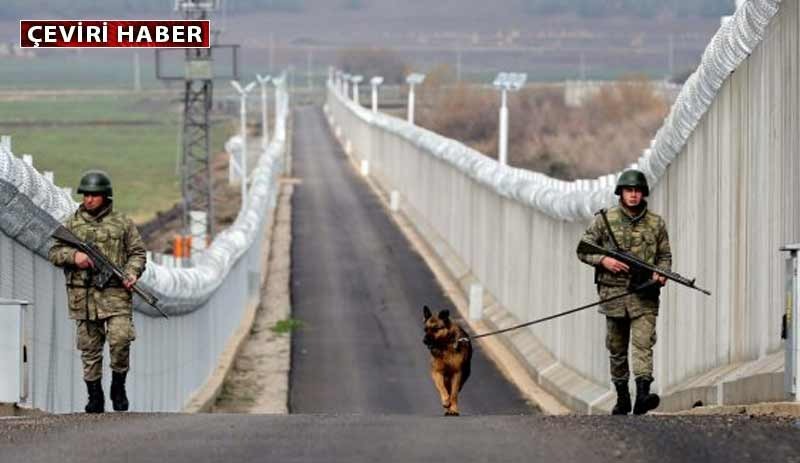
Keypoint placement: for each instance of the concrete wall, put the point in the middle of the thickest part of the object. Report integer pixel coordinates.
(730, 198)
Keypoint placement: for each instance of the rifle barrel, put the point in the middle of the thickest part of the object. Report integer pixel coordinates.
(64, 234)
(635, 261)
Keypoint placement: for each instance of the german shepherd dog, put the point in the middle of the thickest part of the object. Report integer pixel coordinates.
(451, 353)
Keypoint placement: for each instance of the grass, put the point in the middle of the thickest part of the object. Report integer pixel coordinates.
(69, 70)
(87, 109)
(286, 326)
(141, 158)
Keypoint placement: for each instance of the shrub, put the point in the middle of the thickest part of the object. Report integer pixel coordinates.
(607, 133)
(373, 62)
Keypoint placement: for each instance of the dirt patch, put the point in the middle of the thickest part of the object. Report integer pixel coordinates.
(259, 382)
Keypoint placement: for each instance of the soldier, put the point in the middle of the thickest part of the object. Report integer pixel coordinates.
(105, 313)
(632, 318)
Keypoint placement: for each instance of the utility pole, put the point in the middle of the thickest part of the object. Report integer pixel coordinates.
(271, 53)
(309, 60)
(242, 164)
(264, 81)
(671, 55)
(346, 84)
(412, 80)
(506, 82)
(196, 183)
(583, 67)
(197, 75)
(356, 80)
(375, 82)
(458, 64)
(137, 73)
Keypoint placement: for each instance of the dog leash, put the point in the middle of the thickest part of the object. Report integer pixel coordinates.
(551, 317)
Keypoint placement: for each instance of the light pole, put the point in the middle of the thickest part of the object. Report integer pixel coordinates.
(376, 81)
(356, 80)
(277, 82)
(346, 82)
(309, 60)
(505, 82)
(337, 80)
(243, 118)
(412, 80)
(264, 81)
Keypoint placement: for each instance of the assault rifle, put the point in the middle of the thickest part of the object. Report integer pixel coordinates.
(104, 270)
(636, 264)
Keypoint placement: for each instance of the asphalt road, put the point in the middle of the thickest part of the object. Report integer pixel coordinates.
(358, 288)
(399, 438)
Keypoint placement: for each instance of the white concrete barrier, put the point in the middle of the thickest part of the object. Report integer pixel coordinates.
(725, 177)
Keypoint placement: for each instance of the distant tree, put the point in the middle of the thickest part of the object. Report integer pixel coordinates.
(373, 62)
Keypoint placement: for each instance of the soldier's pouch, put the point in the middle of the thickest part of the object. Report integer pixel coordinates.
(106, 234)
(109, 241)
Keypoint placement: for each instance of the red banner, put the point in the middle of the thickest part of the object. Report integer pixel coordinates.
(113, 34)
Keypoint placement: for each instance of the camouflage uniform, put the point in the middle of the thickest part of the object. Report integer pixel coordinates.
(631, 318)
(102, 313)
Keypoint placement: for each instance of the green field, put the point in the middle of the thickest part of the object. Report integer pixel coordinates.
(77, 71)
(135, 139)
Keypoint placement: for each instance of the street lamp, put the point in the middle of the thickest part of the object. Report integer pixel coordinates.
(278, 82)
(243, 118)
(337, 81)
(376, 81)
(412, 80)
(505, 82)
(356, 80)
(346, 82)
(264, 81)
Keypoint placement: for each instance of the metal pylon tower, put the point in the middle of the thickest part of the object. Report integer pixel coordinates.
(196, 184)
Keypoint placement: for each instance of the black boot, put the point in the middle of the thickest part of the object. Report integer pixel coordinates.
(623, 405)
(96, 402)
(645, 401)
(118, 396)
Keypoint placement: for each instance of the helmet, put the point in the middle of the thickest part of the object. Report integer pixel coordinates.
(95, 181)
(632, 178)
